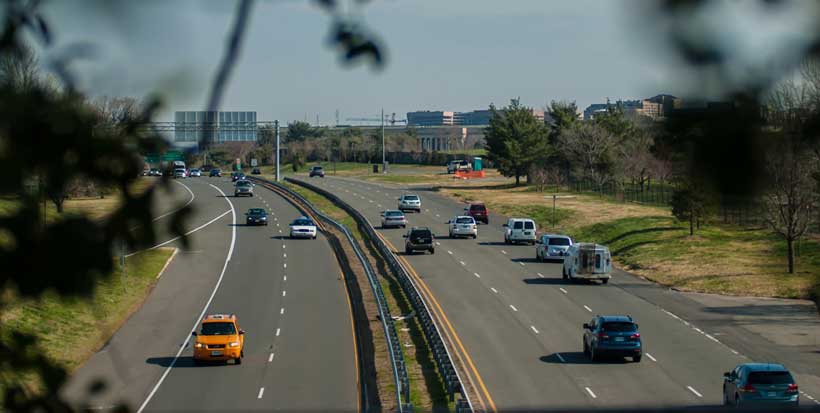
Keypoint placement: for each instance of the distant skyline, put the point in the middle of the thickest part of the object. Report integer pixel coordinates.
(459, 55)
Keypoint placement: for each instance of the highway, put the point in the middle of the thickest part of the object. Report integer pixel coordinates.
(520, 323)
(287, 295)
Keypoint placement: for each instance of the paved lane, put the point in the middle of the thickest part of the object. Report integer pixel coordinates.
(522, 324)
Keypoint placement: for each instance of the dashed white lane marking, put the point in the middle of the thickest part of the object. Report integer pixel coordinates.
(438, 243)
(437, 215)
(694, 391)
(284, 246)
(427, 210)
(476, 275)
(540, 275)
(513, 307)
(284, 255)
(494, 290)
(651, 358)
(370, 200)
(280, 231)
(735, 352)
(562, 290)
(282, 310)
(504, 252)
(270, 358)
(285, 265)
(590, 392)
(379, 205)
(535, 330)
(261, 392)
(284, 293)
(462, 263)
(284, 278)
(588, 309)
(277, 332)
(276, 219)
(450, 252)
(522, 264)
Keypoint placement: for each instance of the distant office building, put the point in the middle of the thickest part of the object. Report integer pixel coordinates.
(594, 109)
(191, 127)
(441, 118)
(656, 107)
(430, 118)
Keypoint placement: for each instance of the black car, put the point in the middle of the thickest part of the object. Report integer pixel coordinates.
(256, 216)
(237, 176)
(419, 239)
(317, 171)
(215, 172)
(612, 335)
(256, 171)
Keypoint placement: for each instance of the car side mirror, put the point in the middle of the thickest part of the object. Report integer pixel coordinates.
(241, 331)
(465, 208)
(505, 226)
(586, 326)
(193, 333)
(636, 326)
(404, 236)
(538, 241)
(727, 374)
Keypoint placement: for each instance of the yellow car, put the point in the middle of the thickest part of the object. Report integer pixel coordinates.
(220, 339)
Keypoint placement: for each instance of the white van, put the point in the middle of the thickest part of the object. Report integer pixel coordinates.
(519, 230)
(587, 261)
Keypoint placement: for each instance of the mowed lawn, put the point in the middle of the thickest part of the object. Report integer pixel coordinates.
(648, 241)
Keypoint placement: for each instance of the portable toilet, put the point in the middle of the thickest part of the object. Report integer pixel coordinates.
(477, 164)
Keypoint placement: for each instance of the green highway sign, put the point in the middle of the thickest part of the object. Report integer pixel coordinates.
(167, 156)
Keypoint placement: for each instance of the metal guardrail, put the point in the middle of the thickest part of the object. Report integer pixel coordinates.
(444, 361)
(398, 364)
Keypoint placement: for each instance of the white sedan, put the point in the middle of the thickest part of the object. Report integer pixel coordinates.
(303, 227)
(463, 226)
(195, 173)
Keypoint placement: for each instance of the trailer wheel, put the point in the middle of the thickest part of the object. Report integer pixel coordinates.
(604, 281)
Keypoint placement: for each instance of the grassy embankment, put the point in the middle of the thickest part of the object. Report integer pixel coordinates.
(648, 241)
(70, 330)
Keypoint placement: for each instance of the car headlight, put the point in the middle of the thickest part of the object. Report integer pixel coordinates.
(235, 344)
(198, 345)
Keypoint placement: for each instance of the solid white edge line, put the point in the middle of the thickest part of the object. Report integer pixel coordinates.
(180, 236)
(261, 392)
(650, 357)
(168, 262)
(590, 392)
(180, 208)
(204, 309)
(694, 391)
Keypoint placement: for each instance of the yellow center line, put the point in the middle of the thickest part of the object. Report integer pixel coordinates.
(449, 326)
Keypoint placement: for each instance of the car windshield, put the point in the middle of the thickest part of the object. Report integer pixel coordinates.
(243, 183)
(770, 377)
(218, 329)
(393, 214)
(559, 241)
(619, 327)
(411, 198)
(478, 208)
(317, 168)
(465, 220)
(302, 222)
(256, 211)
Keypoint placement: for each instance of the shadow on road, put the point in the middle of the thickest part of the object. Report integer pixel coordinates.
(495, 243)
(182, 362)
(546, 281)
(578, 357)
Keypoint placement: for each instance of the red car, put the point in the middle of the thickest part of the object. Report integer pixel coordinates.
(478, 211)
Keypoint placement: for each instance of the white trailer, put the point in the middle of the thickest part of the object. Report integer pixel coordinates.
(587, 261)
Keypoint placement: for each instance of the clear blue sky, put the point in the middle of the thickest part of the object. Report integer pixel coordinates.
(443, 54)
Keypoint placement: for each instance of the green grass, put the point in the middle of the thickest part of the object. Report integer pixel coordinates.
(717, 259)
(69, 330)
(541, 214)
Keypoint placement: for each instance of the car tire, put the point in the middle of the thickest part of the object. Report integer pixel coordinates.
(432, 250)
(725, 399)
(604, 281)
(586, 349)
(408, 251)
(475, 236)
(636, 359)
(564, 273)
(237, 360)
(592, 355)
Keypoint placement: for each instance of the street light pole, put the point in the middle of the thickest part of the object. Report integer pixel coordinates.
(553, 210)
(278, 152)
(384, 160)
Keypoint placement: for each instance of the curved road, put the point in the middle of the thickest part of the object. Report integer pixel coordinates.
(521, 323)
(287, 295)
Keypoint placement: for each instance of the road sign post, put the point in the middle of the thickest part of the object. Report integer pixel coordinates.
(278, 152)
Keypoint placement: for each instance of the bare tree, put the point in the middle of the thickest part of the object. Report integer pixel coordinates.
(114, 111)
(590, 149)
(791, 194)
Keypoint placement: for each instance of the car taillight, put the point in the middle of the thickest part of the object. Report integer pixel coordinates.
(792, 388)
(634, 336)
(602, 335)
(748, 388)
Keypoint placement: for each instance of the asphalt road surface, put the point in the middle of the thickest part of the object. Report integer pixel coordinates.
(521, 323)
(287, 295)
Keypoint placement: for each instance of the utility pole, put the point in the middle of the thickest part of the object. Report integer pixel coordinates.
(278, 152)
(384, 160)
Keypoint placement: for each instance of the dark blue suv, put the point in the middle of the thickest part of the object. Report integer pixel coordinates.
(612, 335)
(760, 385)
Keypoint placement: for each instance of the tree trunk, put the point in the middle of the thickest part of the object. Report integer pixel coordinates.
(517, 179)
(691, 223)
(790, 252)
